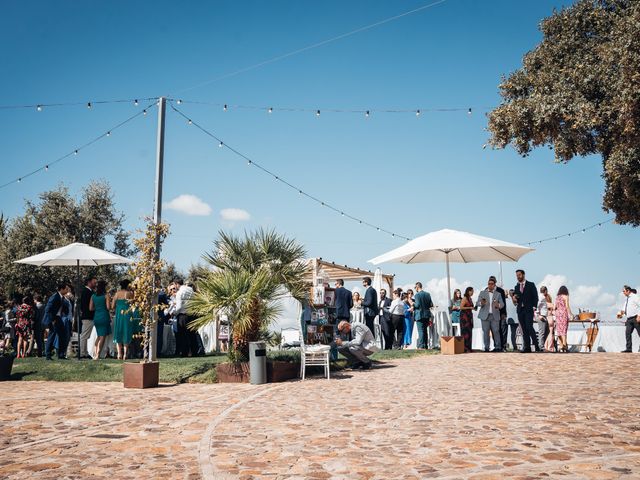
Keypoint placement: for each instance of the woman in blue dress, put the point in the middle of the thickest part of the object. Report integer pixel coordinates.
(123, 322)
(100, 304)
(408, 317)
(454, 308)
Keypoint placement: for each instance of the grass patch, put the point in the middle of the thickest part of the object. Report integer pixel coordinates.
(172, 370)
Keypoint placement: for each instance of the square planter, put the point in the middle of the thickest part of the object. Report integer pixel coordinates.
(282, 371)
(141, 375)
(233, 372)
(6, 364)
(451, 345)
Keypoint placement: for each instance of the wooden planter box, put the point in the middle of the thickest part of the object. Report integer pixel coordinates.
(451, 345)
(141, 375)
(6, 364)
(239, 372)
(282, 371)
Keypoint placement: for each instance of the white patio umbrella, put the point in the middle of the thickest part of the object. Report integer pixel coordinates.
(453, 246)
(78, 255)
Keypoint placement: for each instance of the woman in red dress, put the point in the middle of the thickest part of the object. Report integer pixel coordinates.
(466, 318)
(24, 325)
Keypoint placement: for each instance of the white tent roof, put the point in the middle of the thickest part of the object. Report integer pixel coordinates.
(460, 247)
(74, 254)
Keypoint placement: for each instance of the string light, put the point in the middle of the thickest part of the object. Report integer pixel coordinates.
(88, 104)
(270, 109)
(418, 113)
(179, 102)
(366, 114)
(74, 152)
(189, 122)
(144, 112)
(317, 113)
(469, 111)
(277, 178)
(568, 234)
(39, 108)
(225, 107)
(135, 102)
(220, 145)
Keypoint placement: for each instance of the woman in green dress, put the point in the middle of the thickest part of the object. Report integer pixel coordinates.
(123, 323)
(100, 304)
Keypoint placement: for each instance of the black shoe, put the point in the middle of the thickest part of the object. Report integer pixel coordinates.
(48, 358)
(366, 366)
(495, 350)
(626, 351)
(486, 350)
(525, 351)
(63, 358)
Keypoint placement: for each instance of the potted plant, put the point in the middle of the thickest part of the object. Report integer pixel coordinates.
(250, 275)
(146, 270)
(6, 359)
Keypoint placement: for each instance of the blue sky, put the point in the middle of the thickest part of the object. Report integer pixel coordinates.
(409, 174)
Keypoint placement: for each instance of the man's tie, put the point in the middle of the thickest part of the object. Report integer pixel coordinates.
(522, 288)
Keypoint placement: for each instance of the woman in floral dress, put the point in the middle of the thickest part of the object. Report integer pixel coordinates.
(562, 315)
(466, 319)
(25, 316)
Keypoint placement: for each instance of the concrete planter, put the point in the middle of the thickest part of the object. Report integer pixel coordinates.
(141, 375)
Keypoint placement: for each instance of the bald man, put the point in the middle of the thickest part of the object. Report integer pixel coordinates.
(357, 350)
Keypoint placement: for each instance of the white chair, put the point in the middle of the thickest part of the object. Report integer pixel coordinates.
(290, 338)
(313, 355)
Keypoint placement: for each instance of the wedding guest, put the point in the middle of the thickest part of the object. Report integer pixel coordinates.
(396, 311)
(630, 313)
(422, 305)
(512, 323)
(384, 317)
(357, 312)
(545, 306)
(344, 302)
(38, 329)
(86, 315)
(357, 350)
(67, 321)
(466, 319)
(184, 339)
(525, 297)
(491, 303)
(24, 325)
(407, 298)
(56, 307)
(369, 303)
(563, 314)
(503, 314)
(123, 321)
(99, 305)
(454, 308)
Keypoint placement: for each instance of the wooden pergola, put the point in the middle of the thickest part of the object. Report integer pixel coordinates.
(336, 271)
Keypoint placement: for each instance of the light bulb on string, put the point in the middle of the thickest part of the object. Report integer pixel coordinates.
(46, 167)
(88, 104)
(225, 107)
(342, 213)
(270, 110)
(39, 108)
(584, 230)
(469, 111)
(135, 102)
(418, 113)
(317, 113)
(144, 112)
(19, 180)
(75, 152)
(179, 102)
(108, 134)
(220, 145)
(189, 122)
(300, 192)
(249, 163)
(366, 114)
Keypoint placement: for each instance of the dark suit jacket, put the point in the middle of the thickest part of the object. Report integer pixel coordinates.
(527, 300)
(422, 304)
(344, 303)
(503, 310)
(384, 308)
(370, 302)
(55, 304)
(85, 299)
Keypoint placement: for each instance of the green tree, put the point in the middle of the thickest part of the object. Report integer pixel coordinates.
(55, 220)
(249, 276)
(578, 92)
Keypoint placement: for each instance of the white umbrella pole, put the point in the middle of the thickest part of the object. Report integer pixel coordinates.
(76, 313)
(448, 280)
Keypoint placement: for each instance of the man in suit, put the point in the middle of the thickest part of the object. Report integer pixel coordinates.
(344, 302)
(491, 302)
(357, 350)
(385, 320)
(370, 303)
(525, 298)
(86, 315)
(38, 329)
(504, 327)
(422, 305)
(56, 308)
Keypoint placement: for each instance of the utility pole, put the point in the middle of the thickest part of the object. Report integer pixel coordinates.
(157, 218)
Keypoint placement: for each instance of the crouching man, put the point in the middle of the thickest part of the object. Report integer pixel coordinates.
(357, 350)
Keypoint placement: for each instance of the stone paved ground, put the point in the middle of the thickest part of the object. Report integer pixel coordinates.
(471, 416)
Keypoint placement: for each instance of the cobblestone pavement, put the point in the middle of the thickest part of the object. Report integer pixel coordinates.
(480, 416)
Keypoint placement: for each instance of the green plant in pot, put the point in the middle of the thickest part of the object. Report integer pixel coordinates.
(250, 275)
(146, 271)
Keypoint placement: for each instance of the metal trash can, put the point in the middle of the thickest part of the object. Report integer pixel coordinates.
(257, 363)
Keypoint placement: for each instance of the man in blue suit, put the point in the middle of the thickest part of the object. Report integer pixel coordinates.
(422, 305)
(370, 304)
(344, 302)
(54, 311)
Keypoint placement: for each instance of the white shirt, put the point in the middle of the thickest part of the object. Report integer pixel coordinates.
(543, 308)
(183, 295)
(490, 298)
(632, 306)
(397, 307)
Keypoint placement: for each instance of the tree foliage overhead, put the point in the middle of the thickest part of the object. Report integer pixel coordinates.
(56, 220)
(578, 92)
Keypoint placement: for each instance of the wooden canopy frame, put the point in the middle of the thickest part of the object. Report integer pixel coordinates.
(344, 272)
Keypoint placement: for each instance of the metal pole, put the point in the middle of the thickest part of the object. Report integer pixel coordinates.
(501, 279)
(76, 310)
(157, 218)
(448, 280)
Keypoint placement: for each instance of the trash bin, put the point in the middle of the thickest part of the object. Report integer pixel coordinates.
(257, 363)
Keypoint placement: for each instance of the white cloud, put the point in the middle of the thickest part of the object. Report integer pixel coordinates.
(235, 215)
(189, 205)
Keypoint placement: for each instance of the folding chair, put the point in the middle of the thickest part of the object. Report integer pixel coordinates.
(313, 355)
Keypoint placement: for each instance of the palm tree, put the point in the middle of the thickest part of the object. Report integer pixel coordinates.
(248, 277)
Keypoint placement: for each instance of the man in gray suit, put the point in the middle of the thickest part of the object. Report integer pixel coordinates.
(490, 302)
(358, 349)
